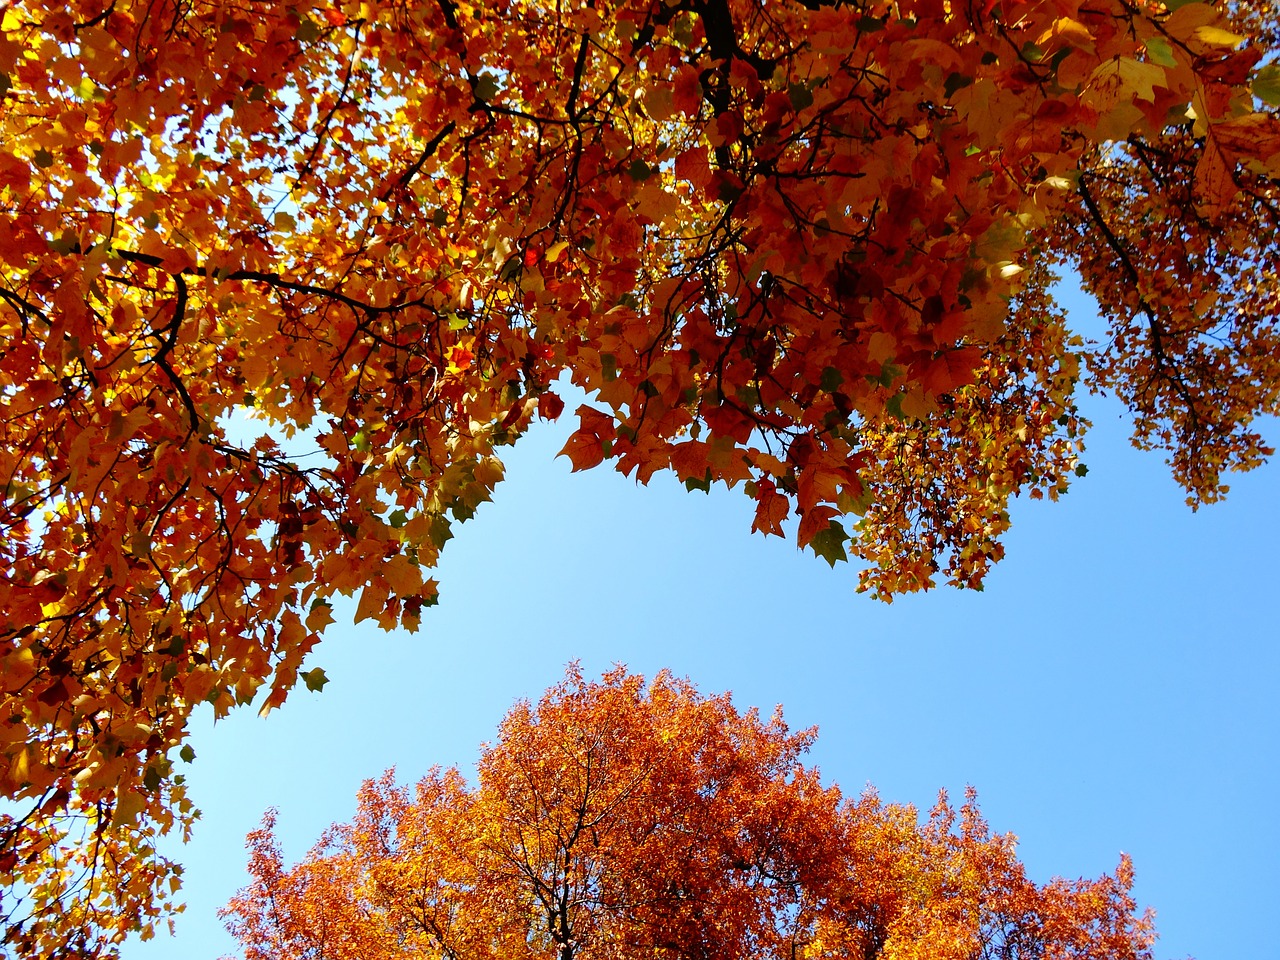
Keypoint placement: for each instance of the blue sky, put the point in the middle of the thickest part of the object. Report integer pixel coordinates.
(1113, 689)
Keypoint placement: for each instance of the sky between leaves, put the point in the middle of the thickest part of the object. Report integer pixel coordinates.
(1114, 688)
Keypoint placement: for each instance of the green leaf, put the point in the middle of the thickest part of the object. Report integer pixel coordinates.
(829, 543)
(186, 753)
(801, 96)
(315, 679)
(703, 483)
(308, 30)
(439, 531)
(727, 190)
(65, 243)
(398, 519)
(1266, 84)
(1081, 470)
(682, 30)
(888, 372)
(1159, 51)
(510, 270)
(486, 86)
(859, 505)
(639, 171)
(831, 379)
(894, 405)
(954, 82)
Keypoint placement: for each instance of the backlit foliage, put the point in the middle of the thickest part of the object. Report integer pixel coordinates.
(798, 247)
(615, 820)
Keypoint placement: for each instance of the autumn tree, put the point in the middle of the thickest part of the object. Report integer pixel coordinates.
(802, 248)
(618, 820)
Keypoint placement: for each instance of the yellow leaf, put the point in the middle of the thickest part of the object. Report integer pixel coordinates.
(1119, 121)
(1217, 37)
(320, 616)
(917, 405)
(403, 576)
(291, 630)
(1184, 21)
(19, 768)
(1133, 78)
(129, 803)
(531, 281)
(372, 599)
(1068, 29)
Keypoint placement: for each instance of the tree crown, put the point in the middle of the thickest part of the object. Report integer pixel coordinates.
(619, 819)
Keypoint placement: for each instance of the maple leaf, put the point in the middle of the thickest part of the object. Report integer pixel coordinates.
(772, 509)
(315, 679)
(829, 543)
(588, 445)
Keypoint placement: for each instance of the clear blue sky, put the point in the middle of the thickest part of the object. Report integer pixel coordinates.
(1113, 689)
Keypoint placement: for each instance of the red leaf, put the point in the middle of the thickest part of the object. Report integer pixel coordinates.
(550, 406)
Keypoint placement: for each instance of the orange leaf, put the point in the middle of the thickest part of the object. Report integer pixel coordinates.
(771, 510)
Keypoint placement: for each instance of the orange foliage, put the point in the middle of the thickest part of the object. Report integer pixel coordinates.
(616, 820)
(800, 247)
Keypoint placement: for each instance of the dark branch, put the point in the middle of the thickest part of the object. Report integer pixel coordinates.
(427, 153)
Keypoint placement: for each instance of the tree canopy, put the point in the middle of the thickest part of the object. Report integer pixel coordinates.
(801, 248)
(619, 820)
